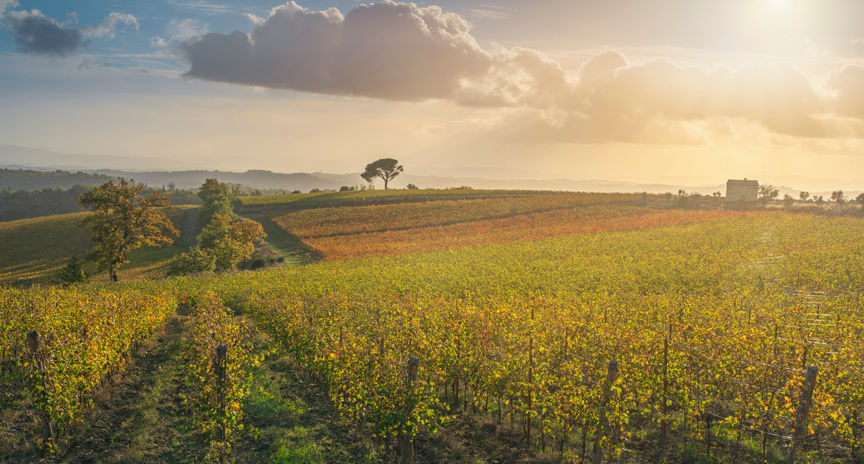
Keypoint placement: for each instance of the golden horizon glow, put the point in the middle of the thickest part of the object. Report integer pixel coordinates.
(651, 90)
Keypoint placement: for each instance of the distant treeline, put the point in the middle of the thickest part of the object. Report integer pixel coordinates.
(24, 179)
(24, 204)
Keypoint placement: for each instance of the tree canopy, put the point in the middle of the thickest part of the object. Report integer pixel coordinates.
(767, 192)
(230, 241)
(386, 169)
(122, 221)
(217, 198)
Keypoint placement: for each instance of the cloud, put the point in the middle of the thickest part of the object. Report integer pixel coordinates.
(203, 7)
(107, 28)
(92, 63)
(402, 52)
(186, 28)
(487, 13)
(774, 95)
(848, 83)
(391, 51)
(158, 43)
(7, 5)
(38, 34)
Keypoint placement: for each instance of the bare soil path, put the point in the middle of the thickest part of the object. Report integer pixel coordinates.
(190, 215)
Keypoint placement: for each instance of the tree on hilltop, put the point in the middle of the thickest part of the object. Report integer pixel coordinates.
(122, 221)
(385, 168)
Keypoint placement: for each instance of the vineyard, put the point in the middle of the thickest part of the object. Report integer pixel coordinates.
(35, 249)
(578, 328)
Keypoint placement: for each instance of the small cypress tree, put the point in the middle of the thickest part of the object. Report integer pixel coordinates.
(72, 272)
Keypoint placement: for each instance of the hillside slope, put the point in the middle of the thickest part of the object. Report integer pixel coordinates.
(35, 249)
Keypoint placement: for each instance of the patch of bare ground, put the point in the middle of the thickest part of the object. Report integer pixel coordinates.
(472, 438)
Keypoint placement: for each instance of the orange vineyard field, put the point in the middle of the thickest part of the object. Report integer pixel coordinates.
(323, 222)
(358, 232)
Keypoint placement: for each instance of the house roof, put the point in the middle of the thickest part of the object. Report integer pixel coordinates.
(749, 183)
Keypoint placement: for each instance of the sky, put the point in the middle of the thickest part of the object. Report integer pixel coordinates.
(596, 89)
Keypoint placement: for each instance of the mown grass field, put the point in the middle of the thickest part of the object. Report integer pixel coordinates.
(514, 307)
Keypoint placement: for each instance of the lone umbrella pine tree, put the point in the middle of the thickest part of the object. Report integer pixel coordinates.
(385, 168)
(122, 221)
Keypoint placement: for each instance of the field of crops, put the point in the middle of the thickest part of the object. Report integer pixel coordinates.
(368, 197)
(324, 222)
(408, 228)
(712, 320)
(35, 249)
(742, 304)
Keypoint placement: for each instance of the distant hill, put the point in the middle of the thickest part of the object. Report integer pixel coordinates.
(26, 179)
(11, 155)
(157, 172)
(28, 193)
(254, 178)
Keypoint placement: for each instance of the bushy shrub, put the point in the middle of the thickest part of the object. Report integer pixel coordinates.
(72, 272)
(195, 261)
(257, 263)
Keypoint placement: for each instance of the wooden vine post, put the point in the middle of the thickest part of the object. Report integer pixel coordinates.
(665, 382)
(803, 410)
(407, 454)
(221, 367)
(530, 382)
(611, 375)
(37, 386)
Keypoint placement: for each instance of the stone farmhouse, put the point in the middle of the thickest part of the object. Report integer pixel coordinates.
(745, 191)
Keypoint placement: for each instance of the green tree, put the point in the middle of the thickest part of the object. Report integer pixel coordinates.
(228, 241)
(386, 169)
(192, 262)
(804, 196)
(767, 192)
(122, 220)
(839, 197)
(217, 198)
(72, 272)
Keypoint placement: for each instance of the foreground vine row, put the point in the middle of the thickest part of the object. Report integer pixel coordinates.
(68, 341)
